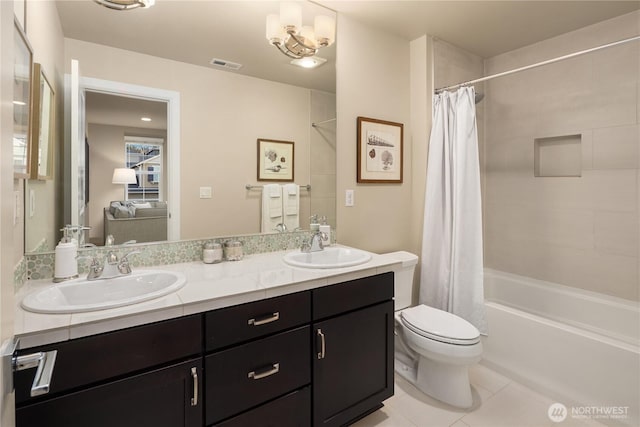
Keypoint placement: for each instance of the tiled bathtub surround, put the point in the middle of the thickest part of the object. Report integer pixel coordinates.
(582, 230)
(40, 265)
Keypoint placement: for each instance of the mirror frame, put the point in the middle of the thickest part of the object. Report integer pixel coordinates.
(42, 168)
(21, 168)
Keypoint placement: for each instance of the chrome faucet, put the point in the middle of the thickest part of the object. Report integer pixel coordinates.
(281, 227)
(315, 244)
(111, 267)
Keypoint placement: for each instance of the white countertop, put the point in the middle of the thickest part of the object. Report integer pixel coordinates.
(208, 287)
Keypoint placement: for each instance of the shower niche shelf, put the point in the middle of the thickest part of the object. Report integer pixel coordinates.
(558, 156)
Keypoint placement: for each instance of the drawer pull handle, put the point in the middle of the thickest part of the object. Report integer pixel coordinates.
(322, 345)
(194, 375)
(264, 320)
(45, 362)
(274, 369)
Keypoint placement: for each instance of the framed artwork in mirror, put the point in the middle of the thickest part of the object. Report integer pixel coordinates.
(275, 160)
(379, 151)
(22, 72)
(42, 125)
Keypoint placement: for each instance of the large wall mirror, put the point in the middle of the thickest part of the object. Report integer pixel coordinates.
(223, 112)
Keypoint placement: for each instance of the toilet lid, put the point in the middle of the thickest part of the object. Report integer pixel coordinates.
(440, 325)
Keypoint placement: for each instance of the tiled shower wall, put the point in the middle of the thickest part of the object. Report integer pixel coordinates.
(580, 231)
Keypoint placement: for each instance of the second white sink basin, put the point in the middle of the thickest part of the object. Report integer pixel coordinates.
(81, 295)
(332, 257)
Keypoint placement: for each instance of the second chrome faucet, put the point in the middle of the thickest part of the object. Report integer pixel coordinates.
(110, 267)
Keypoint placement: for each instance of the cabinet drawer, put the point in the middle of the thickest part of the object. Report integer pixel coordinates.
(247, 375)
(332, 300)
(244, 322)
(97, 358)
(292, 410)
(160, 398)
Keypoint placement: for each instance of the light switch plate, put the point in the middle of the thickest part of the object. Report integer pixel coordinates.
(349, 198)
(205, 192)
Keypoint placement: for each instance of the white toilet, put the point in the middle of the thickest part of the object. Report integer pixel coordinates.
(433, 348)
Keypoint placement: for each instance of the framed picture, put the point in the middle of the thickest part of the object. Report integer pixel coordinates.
(22, 75)
(379, 151)
(275, 160)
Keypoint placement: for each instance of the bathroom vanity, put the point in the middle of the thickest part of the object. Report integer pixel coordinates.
(303, 347)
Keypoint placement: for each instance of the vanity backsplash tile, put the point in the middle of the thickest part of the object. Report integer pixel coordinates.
(38, 266)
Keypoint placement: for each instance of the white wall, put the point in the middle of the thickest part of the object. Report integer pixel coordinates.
(46, 38)
(372, 81)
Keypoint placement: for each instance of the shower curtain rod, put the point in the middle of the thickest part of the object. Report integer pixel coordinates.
(539, 64)
(324, 121)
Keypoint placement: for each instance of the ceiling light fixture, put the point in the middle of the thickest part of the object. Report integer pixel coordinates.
(287, 33)
(309, 62)
(125, 4)
(145, 119)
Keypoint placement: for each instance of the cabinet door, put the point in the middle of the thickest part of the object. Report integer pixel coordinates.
(164, 397)
(355, 373)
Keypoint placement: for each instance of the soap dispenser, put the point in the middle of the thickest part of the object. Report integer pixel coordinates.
(326, 229)
(66, 264)
(314, 226)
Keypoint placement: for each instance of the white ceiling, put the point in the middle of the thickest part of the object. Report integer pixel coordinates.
(486, 28)
(107, 109)
(195, 31)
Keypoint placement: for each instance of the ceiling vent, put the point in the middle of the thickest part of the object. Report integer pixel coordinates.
(233, 66)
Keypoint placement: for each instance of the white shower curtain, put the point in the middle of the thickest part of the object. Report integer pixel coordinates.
(452, 266)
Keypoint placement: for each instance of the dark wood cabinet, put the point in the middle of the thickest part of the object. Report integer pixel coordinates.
(145, 375)
(321, 357)
(292, 410)
(160, 398)
(353, 358)
(248, 375)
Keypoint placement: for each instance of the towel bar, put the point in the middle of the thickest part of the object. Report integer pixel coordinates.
(255, 187)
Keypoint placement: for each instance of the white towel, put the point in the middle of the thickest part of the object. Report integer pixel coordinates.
(271, 207)
(291, 206)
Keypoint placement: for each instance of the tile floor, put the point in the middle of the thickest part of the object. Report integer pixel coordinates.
(498, 401)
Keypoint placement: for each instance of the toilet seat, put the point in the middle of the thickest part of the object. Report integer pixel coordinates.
(439, 325)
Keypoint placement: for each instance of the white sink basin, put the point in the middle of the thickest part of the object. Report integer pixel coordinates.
(81, 295)
(332, 257)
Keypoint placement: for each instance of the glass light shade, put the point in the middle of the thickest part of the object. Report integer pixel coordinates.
(309, 36)
(275, 31)
(291, 15)
(124, 176)
(325, 29)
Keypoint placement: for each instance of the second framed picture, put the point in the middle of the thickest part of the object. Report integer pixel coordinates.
(379, 151)
(275, 160)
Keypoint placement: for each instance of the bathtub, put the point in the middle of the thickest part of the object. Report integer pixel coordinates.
(579, 347)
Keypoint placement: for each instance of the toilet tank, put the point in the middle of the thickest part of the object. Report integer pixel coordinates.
(403, 285)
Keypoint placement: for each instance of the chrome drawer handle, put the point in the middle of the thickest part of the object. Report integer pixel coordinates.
(264, 320)
(275, 368)
(194, 375)
(322, 345)
(45, 361)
